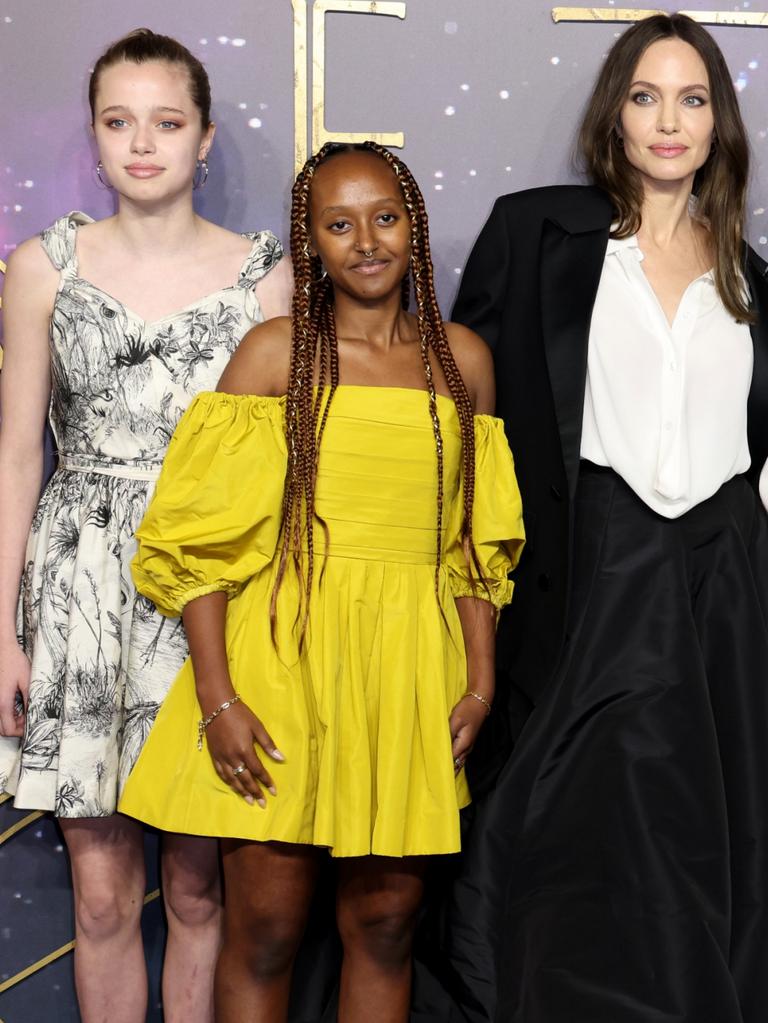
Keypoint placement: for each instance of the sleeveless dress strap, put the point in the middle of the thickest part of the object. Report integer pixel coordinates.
(266, 252)
(59, 240)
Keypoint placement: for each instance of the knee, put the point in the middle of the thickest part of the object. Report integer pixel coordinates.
(381, 932)
(104, 910)
(264, 946)
(192, 900)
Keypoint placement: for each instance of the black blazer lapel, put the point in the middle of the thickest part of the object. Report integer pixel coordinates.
(757, 406)
(571, 265)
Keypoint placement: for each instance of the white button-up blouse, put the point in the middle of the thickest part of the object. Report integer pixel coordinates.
(666, 405)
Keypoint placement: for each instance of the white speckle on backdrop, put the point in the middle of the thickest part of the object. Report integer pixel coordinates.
(254, 122)
(450, 111)
(450, 28)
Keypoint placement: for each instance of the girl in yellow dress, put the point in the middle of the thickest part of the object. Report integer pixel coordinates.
(337, 527)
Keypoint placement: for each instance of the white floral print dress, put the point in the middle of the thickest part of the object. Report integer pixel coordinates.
(102, 657)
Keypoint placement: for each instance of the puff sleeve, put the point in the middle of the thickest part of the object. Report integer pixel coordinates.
(214, 520)
(497, 520)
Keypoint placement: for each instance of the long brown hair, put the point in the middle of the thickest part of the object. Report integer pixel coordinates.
(314, 345)
(720, 184)
(144, 45)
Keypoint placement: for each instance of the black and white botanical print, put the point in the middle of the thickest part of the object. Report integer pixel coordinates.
(102, 657)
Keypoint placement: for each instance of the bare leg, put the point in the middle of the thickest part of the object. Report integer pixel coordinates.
(192, 894)
(107, 857)
(377, 903)
(268, 889)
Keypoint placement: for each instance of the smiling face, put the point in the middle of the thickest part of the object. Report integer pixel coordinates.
(359, 225)
(148, 129)
(667, 122)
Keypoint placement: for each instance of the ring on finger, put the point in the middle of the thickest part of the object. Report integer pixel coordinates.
(458, 762)
(238, 770)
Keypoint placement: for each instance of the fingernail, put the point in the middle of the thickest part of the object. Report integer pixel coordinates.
(248, 799)
(277, 755)
(262, 802)
(272, 789)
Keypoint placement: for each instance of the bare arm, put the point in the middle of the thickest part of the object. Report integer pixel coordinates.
(28, 297)
(475, 362)
(231, 736)
(478, 625)
(261, 363)
(477, 616)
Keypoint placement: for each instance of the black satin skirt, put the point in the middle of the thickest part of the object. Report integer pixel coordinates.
(618, 871)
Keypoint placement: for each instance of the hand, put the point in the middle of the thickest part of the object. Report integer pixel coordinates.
(465, 723)
(15, 670)
(231, 738)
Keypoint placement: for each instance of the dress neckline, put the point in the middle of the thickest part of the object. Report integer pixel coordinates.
(78, 218)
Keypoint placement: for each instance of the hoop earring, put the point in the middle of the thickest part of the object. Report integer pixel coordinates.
(201, 174)
(102, 182)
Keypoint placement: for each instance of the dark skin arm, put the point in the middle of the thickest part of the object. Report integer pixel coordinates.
(231, 736)
(260, 366)
(477, 616)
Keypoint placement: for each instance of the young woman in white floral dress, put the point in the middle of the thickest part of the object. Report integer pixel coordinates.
(115, 325)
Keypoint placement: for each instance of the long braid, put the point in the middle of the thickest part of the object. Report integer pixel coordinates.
(314, 346)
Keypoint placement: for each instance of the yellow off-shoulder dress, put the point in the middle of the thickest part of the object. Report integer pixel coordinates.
(361, 713)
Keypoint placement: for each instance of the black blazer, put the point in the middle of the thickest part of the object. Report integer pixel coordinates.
(528, 289)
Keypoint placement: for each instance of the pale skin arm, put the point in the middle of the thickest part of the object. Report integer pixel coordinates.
(29, 292)
(259, 366)
(477, 616)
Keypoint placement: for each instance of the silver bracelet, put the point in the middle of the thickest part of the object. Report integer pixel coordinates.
(203, 723)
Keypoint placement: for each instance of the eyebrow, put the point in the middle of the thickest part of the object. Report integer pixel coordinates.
(119, 108)
(375, 202)
(686, 88)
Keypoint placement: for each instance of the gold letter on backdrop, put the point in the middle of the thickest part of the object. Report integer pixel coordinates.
(753, 19)
(310, 134)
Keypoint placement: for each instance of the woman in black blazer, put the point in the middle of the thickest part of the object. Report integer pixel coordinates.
(617, 867)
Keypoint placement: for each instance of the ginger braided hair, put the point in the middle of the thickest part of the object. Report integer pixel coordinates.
(314, 344)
